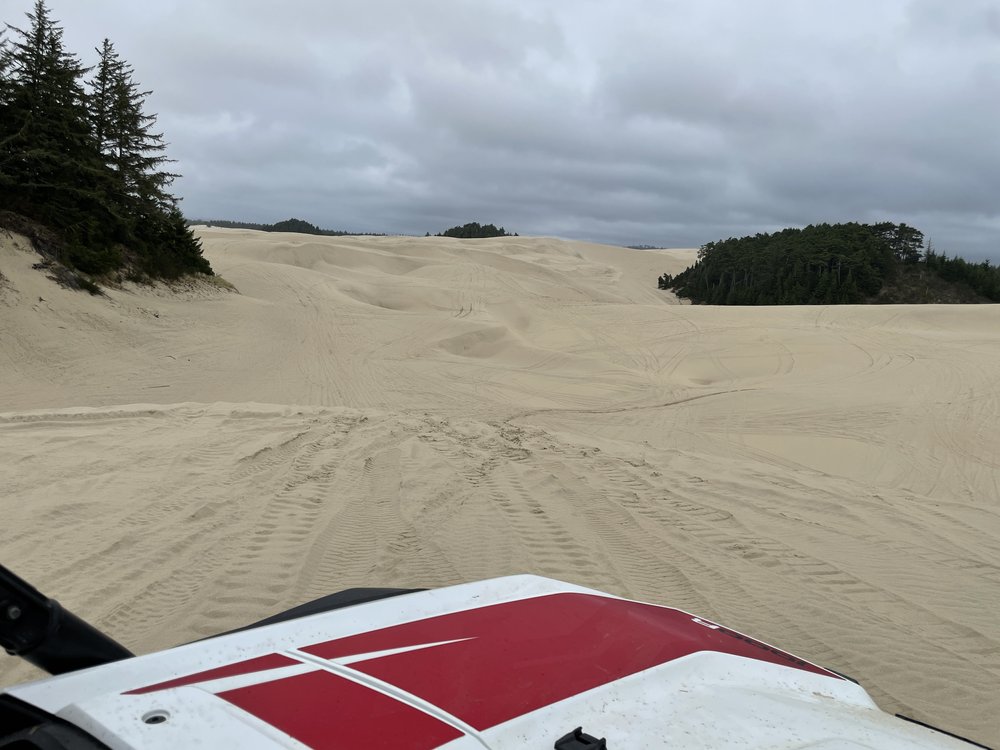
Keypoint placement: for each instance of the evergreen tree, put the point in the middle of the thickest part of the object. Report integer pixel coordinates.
(89, 167)
(831, 264)
(171, 249)
(905, 241)
(124, 132)
(295, 225)
(50, 167)
(101, 87)
(6, 78)
(474, 230)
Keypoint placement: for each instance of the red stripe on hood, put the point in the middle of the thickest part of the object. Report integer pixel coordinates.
(530, 653)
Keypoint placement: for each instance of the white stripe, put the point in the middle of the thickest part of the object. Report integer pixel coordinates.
(353, 658)
(222, 684)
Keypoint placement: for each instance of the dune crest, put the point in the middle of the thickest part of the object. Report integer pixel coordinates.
(424, 411)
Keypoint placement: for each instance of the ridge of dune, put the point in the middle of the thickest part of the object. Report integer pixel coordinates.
(392, 411)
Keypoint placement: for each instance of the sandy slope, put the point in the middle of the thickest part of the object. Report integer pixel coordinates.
(393, 411)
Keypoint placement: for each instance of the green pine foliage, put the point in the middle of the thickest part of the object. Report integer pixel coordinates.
(123, 130)
(475, 230)
(981, 278)
(825, 264)
(82, 158)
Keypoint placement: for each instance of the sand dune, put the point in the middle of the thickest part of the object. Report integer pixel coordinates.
(418, 412)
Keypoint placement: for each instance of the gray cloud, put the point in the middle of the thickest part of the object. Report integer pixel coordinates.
(658, 121)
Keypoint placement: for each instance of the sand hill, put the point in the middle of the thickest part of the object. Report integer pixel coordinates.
(419, 412)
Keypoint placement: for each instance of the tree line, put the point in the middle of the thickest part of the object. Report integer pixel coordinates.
(983, 278)
(288, 225)
(475, 230)
(81, 159)
(832, 264)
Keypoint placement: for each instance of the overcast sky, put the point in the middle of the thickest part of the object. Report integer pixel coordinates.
(667, 122)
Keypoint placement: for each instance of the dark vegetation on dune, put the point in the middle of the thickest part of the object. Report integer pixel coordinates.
(475, 230)
(83, 171)
(833, 264)
(288, 225)
(471, 230)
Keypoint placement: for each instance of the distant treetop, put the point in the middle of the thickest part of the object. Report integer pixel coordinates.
(475, 230)
(295, 225)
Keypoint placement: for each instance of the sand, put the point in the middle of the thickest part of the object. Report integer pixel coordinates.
(425, 411)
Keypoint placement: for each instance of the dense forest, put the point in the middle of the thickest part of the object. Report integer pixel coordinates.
(83, 171)
(475, 230)
(288, 225)
(832, 264)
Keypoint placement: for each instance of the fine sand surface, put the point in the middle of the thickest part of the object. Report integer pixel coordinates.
(418, 412)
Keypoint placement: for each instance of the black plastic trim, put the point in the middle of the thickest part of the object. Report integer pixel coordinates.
(580, 740)
(943, 731)
(44, 633)
(339, 600)
(841, 674)
(26, 727)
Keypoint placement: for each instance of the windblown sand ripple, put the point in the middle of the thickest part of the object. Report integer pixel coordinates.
(419, 412)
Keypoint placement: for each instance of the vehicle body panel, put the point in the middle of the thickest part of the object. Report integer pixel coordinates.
(506, 663)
